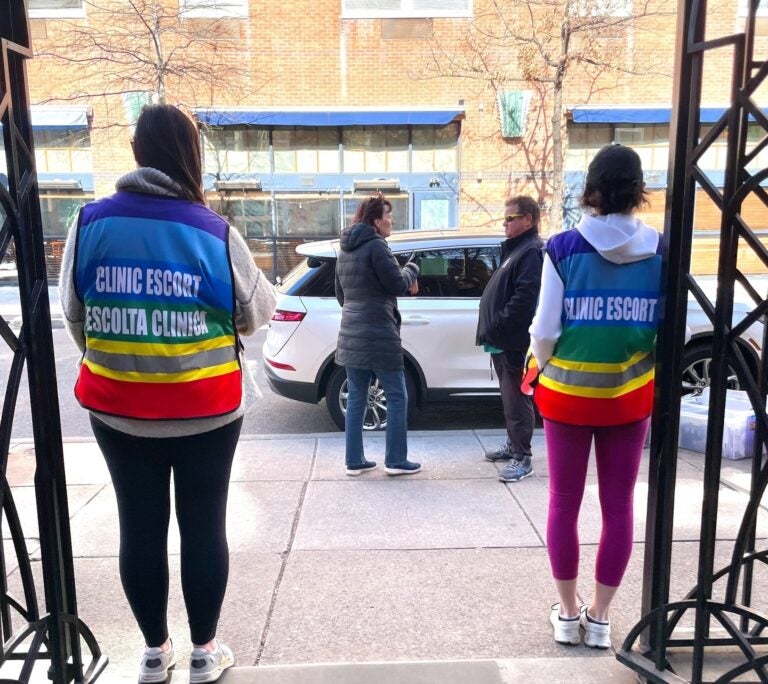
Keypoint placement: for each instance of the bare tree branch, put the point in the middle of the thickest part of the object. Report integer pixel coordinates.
(150, 47)
(546, 46)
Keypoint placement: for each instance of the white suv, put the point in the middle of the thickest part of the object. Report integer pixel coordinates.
(442, 362)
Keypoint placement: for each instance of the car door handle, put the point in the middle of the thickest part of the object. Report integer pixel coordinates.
(415, 320)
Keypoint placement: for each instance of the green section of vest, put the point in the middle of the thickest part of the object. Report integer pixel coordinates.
(140, 322)
(491, 349)
(596, 344)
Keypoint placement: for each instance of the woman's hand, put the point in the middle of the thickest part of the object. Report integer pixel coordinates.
(414, 289)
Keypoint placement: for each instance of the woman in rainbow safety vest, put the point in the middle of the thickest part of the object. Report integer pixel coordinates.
(593, 337)
(156, 291)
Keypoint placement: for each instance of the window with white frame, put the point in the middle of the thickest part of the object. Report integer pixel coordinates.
(372, 9)
(51, 9)
(213, 8)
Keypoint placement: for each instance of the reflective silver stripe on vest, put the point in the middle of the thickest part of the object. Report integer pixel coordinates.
(127, 363)
(601, 379)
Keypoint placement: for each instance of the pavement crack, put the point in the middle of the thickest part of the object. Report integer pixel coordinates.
(285, 555)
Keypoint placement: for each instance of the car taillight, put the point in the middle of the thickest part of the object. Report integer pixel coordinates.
(281, 366)
(293, 316)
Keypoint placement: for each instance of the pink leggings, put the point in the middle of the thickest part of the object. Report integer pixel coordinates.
(618, 450)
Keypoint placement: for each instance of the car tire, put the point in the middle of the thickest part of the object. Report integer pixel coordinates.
(375, 419)
(697, 359)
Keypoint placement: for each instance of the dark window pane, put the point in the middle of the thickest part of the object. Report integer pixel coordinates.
(308, 215)
(58, 213)
(440, 269)
(400, 212)
(251, 216)
(456, 272)
(61, 137)
(479, 265)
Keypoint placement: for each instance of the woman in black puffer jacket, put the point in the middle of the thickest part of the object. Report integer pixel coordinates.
(368, 282)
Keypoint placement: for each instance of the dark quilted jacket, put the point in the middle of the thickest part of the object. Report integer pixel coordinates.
(368, 282)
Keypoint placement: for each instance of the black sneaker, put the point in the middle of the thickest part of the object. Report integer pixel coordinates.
(360, 467)
(501, 454)
(406, 468)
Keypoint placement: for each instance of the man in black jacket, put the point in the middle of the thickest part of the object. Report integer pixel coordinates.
(506, 311)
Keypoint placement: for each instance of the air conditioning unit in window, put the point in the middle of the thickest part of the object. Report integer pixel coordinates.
(228, 185)
(60, 184)
(377, 185)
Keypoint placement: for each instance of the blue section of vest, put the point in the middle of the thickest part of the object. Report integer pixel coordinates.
(179, 257)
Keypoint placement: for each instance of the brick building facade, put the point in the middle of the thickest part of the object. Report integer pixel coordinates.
(334, 98)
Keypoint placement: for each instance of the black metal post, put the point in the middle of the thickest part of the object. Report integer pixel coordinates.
(646, 648)
(56, 635)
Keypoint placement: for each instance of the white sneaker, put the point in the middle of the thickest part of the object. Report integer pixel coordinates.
(207, 666)
(596, 634)
(155, 664)
(566, 629)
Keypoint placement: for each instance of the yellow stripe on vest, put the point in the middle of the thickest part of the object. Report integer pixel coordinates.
(183, 376)
(599, 367)
(598, 392)
(157, 348)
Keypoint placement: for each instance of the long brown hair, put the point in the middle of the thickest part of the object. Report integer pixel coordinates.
(166, 139)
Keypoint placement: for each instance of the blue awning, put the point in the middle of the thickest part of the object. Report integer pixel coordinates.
(635, 115)
(45, 116)
(339, 117)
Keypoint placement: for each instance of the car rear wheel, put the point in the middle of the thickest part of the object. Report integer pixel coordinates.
(697, 360)
(375, 417)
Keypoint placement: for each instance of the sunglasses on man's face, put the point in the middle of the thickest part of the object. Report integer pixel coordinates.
(512, 217)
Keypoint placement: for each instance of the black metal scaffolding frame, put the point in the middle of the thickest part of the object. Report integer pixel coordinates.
(55, 633)
(741, 623)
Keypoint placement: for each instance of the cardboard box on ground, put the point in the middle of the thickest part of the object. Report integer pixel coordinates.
(738, 427)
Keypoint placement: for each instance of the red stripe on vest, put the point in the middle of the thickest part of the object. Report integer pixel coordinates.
(204, 398)
(573, 410)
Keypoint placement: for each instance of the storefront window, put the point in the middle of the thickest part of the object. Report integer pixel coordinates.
(435, 148)
(366, 149)
(59, 212)
(306, 150)
(252, 216)
(399, 202)
(650, 141)
(307, 214)
(584, 140)
(376, 149)
(397, 149)
(714, 157)
(229, 150)
(755, 134)
(62, 150)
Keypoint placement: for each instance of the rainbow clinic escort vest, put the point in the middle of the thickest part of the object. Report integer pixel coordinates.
(156, 281)
(602, 370)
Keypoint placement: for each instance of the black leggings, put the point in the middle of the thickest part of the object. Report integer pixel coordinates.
(141, 472)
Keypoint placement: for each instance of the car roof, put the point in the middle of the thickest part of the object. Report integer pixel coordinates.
(406, 240)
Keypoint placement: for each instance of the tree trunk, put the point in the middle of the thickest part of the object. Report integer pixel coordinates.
(556, 198)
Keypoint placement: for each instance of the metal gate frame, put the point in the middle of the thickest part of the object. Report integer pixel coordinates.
(646, 648)
(55, 634)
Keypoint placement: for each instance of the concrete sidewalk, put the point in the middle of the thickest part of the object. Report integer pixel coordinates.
(438, 577)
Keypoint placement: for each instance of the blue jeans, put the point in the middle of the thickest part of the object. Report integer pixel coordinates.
(393, 382)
